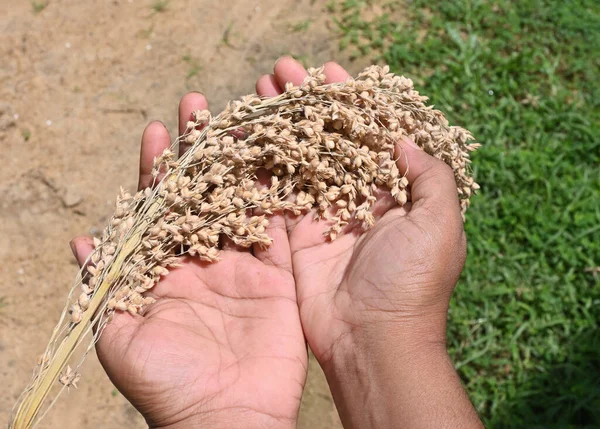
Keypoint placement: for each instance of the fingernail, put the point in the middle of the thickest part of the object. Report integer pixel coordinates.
(152, 123)
(73, 249)
(284, 57)
(411, 143)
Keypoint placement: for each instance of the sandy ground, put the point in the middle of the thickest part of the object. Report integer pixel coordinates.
(78, 82)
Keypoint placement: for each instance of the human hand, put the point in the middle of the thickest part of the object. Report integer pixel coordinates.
(395, 278)
(223, 344)
(373, 306)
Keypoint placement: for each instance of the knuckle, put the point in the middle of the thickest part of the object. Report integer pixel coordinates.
(443, 170)
(438, 171)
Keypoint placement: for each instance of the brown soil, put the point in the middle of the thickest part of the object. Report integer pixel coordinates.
(79, 81)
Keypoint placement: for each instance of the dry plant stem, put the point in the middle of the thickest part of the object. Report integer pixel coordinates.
(329, 147)
(31, 405)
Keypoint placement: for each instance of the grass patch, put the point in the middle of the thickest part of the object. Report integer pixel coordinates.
(301, 27)
(38, 6)
(194, 66)
(522, 76)
(146, 33)
(226, 36)
(160, 6)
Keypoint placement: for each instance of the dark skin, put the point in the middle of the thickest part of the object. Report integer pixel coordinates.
(372, 307)
(223, 345)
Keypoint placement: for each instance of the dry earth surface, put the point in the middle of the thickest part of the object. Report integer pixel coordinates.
(79, 81)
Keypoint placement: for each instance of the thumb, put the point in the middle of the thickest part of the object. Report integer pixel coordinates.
(432, 185)
(82, 247)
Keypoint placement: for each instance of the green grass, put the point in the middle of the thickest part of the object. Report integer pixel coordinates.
(26, 134)
(38, 6)
(226, 36)
(523, 77)
(160, 6)
(194, 66)
(301, 27)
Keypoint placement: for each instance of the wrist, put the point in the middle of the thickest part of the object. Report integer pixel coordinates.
(396, 381)
(222, 417)
(401, 336)
(369, 374)
(228, 418)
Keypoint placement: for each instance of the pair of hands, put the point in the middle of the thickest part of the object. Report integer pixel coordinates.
(225, 344)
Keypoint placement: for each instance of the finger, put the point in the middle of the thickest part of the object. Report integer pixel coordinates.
(432, 184)
(384, 203)
(189, 103)
(155, 140)
(82, 247)
(288, 69)
(266, 86)
(335, 72)
(278, 253)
